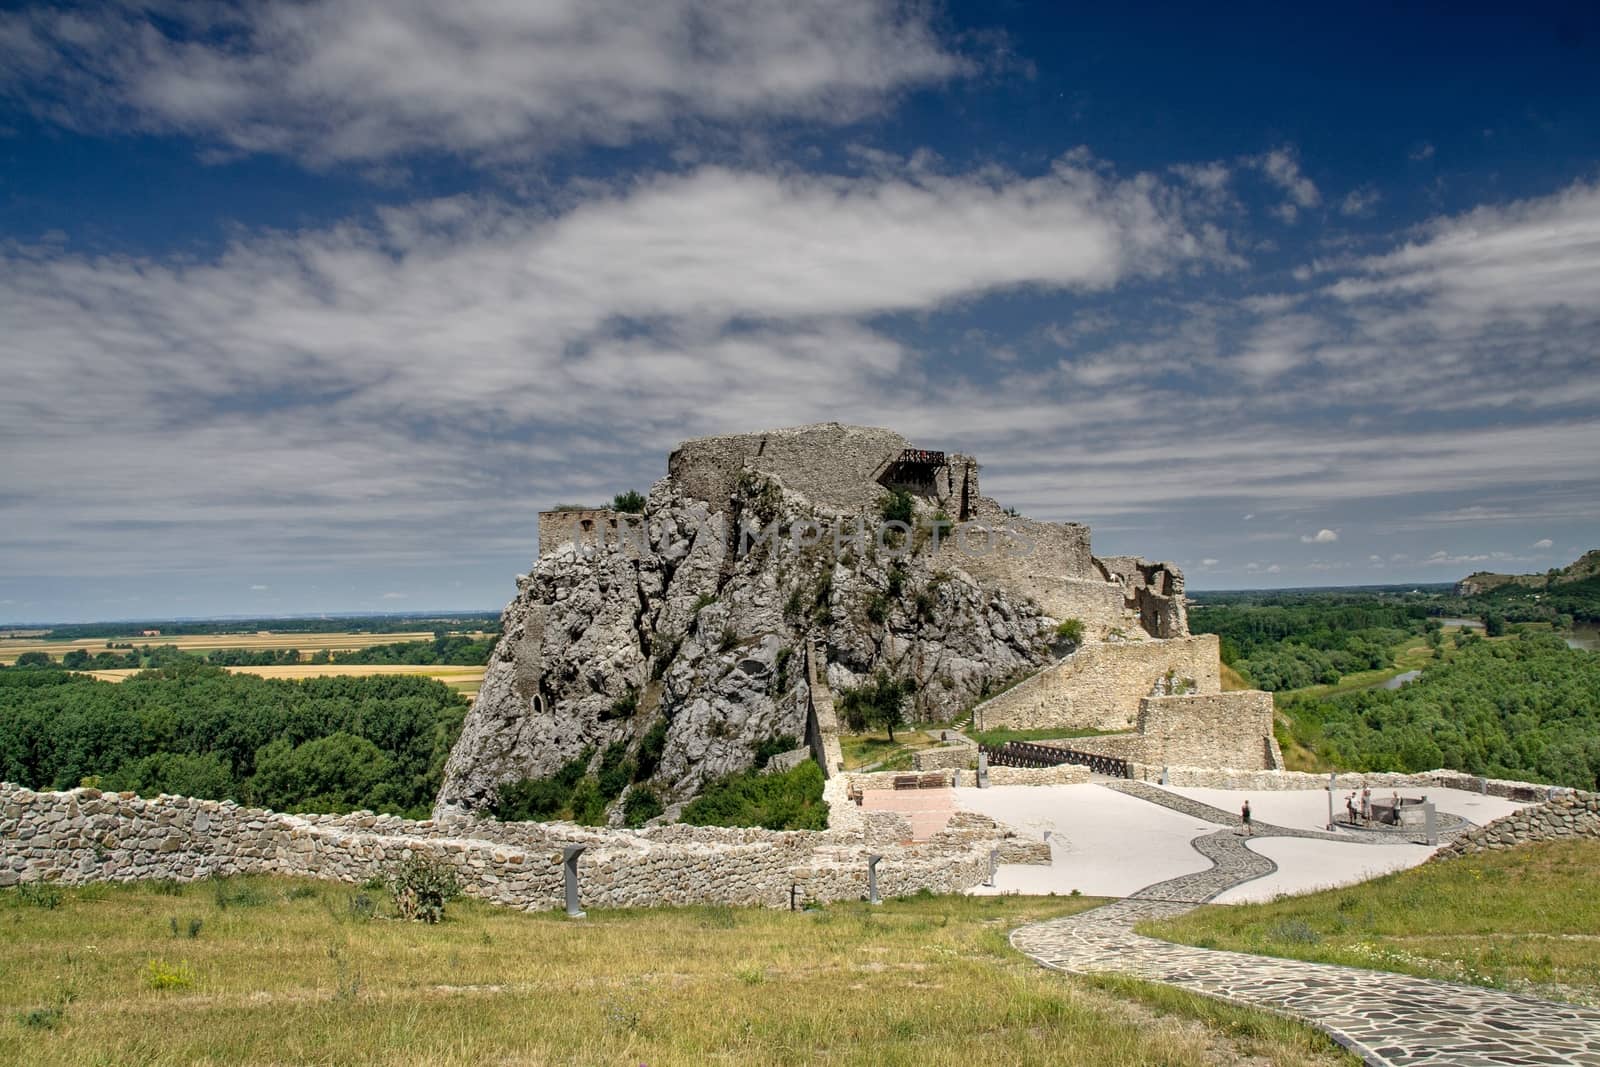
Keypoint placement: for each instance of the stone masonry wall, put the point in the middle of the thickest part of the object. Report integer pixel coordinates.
(1101, 685)
(86, 836)
(1571, 814)
(1211, 730)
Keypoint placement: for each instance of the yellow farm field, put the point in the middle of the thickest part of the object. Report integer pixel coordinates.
(464, 679)
(11, 648)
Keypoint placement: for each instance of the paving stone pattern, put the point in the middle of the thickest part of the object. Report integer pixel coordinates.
(1387, 1019)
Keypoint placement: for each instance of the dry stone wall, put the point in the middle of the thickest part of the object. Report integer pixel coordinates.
(1570, 814)
(85, 836)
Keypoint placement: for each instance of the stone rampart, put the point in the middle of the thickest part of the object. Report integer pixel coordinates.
(822, 721)
(1065, 774)
(1264, 781)
(946, 757)
(587, 527)
(1571, 814)
(1101, 685)
(86, 836)
(1210, 730)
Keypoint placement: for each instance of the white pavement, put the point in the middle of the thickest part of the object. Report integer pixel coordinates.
(1105, 843)
(1308, 808)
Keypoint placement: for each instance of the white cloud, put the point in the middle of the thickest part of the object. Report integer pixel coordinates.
(1321, 537)
(1281, 166)
(1209, 562)
(1360, 201)
(1421, 152)
(330, 80)
(1542, 543)
(258, 588)
(393, 596)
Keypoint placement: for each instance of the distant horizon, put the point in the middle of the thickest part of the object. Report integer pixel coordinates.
(423, 613)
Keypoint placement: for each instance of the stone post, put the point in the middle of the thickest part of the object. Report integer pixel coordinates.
(872, 880)
(569, 862)
(983, 770)
(1430, 823)
(1332, 825)
(994, 865)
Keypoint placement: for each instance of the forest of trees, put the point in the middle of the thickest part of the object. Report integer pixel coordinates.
(1292, 640)
(1527, 707)
(318, 744)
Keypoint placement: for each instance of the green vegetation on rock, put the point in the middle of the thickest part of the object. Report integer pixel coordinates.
(788, 801)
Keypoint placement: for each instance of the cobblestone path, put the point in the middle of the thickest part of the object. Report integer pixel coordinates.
(1387, 1019)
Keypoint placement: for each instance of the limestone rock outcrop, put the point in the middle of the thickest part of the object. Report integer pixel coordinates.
(694, 616)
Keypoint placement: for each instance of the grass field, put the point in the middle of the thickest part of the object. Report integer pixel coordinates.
(463, 679)
(11, 648)
(1527, 919)
(281, 971)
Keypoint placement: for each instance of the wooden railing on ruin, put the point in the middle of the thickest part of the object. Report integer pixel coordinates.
(1024, 754)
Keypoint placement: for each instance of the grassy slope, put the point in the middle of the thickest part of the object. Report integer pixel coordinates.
(1525, 919)
(294, 977)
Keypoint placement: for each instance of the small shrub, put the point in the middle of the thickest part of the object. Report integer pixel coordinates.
(191, 929)
(39, 895)
(588, 806)
(421, 885)
(641, 806)
(1070, 631)
(651, 749)
(47, 1018)
(158, 974)
(898, 505)
(730, 639)
(362, 906)
(701, 602)
(623, 707)
(631, 502)
(616, 770)
(878, 605)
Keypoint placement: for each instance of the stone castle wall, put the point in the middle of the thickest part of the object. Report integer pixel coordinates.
(590, 527)
(834, 466)
(85, 836)
(1210, 730)
(1101, 685)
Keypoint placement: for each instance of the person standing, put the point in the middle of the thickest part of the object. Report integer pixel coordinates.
(1244, 817)
(1366, 804)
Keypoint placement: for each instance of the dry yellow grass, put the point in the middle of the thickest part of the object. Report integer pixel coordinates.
(272, 971)
(466, 679)
(11, 648)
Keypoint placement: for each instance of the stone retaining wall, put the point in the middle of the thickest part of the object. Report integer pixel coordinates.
(1065, 774)
(946, 757)
(86, 836)
(1271, 781)
(1571, 814)
(1101, 685)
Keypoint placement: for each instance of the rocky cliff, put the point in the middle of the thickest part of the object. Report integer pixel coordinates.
(680, 633)
(1585, 567)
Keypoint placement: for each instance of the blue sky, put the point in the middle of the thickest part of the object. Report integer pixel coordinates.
(310, 307)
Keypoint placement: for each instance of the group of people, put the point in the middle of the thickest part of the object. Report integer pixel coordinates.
(1357, 811)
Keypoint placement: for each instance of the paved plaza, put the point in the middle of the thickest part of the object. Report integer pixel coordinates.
(1388, 1019)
